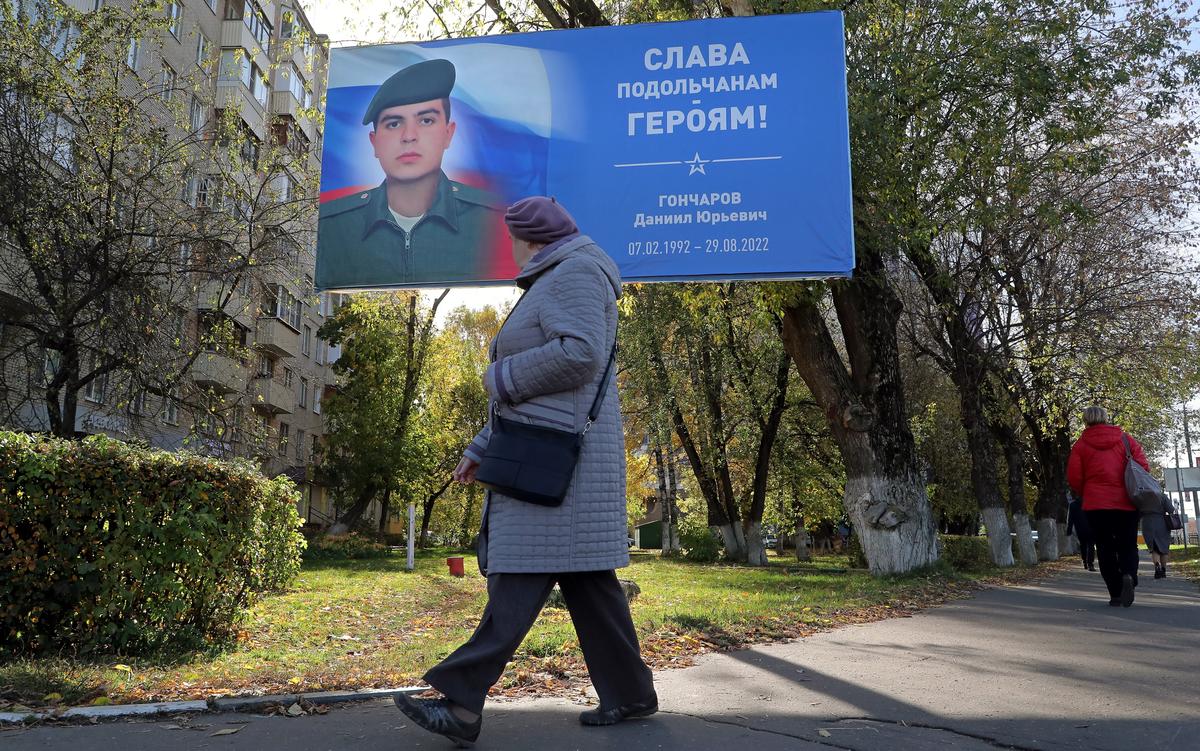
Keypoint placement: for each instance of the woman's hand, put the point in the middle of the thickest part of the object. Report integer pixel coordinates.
(465, 471)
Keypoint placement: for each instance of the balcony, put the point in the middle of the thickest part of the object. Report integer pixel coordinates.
(235, 33)
(276, 337)
(213, 292)
(234, 95)
(273, 397)
(219, 372)
(285, 104)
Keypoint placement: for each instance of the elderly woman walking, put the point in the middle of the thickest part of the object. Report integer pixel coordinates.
(550, 361)
(1096, 473)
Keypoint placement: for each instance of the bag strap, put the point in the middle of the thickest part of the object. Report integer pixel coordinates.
(594, 412)
(1128, 448)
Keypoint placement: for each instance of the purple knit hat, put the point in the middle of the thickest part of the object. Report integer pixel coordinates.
(539, 219)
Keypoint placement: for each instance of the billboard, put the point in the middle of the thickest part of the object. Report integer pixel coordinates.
(1182, 479)
(695, 150)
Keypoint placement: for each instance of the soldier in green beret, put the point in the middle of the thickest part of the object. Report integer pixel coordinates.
(418, 227)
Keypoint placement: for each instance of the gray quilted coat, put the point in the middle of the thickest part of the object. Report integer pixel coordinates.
(547, 363)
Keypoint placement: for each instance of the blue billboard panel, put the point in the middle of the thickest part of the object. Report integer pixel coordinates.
(697, 150)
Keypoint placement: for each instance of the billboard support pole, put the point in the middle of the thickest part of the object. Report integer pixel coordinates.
(1187, 446)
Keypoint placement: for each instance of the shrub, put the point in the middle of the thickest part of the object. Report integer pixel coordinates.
(105, 547)
(854, 551)
(700, 545)
(352, 545)
(965, 553)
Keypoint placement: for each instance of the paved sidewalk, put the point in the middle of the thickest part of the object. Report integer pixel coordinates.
(1041, 666)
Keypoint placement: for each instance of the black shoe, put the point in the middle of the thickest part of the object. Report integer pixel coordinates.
(1114, 602)
(1164, 573)
(1091, 568)
(436, 716)
(1126, 590)
(602, 716)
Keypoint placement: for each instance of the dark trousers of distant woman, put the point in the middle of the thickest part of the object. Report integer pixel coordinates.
(1116, 546)
(1087, 550)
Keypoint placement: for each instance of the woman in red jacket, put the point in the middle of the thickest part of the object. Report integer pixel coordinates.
(1096, 473)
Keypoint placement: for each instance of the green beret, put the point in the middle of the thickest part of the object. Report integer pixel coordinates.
(421, 82)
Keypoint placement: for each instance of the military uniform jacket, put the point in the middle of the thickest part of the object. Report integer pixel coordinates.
(359, 244)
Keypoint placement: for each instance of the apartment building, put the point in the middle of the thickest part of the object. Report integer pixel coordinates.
(261, 60)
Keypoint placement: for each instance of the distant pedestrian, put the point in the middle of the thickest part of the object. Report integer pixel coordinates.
(550, 360)
(1158, 538)
(1096, 473)
(1077, 524)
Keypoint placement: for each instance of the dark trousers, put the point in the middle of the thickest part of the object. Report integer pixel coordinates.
(602, 622)
(1087, 550)
(1116, 546)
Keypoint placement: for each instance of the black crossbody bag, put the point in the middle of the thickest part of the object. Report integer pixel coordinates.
(532, 463)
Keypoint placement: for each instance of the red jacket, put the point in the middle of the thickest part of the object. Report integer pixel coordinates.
(1096, 469)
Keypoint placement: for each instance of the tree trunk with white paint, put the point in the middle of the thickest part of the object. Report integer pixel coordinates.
(862, 395)
(1047, 539)
(756, 551)
(1025, 544)
(995, 520)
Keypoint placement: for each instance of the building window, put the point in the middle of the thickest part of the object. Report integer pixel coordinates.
(266, 367)
(212, 5)
(202, 190)
(258, 85)
(306, 342)
(295, 82)
(171, 410)
(197, 114)
(174, 14)
(316, 446)
(317, 399)
(137, 405)
(304, 393)
(134, 54)
(287, 307)
(284, 188)
(167, 83)
(288, 376)
(287, 24)
(300, 446)
(95, 388)
(56, 136)
(50, 365)
(203, 52)
(284, 434)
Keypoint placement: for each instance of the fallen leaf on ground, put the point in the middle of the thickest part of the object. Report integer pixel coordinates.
(824, 733)
(227, 731)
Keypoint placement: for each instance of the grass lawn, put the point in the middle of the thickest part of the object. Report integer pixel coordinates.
(371, 623)
(1185, 563)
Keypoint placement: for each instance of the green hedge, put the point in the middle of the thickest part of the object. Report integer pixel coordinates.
(105, 547)
(351, 545)
(965, 553)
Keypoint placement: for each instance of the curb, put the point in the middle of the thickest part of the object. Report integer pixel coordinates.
(224, 704)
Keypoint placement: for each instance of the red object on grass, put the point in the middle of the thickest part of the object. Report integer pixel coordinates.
(456, 565)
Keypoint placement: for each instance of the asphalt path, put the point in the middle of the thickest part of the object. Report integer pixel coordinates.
(1046, 665)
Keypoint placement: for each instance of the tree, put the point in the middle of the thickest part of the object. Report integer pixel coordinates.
(709, 361)
(1047, 134)
(455, 407)
(374, 445)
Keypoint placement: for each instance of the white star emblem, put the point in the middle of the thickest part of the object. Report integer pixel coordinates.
(696, 164)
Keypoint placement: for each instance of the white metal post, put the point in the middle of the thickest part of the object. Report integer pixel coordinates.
(412, 542)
